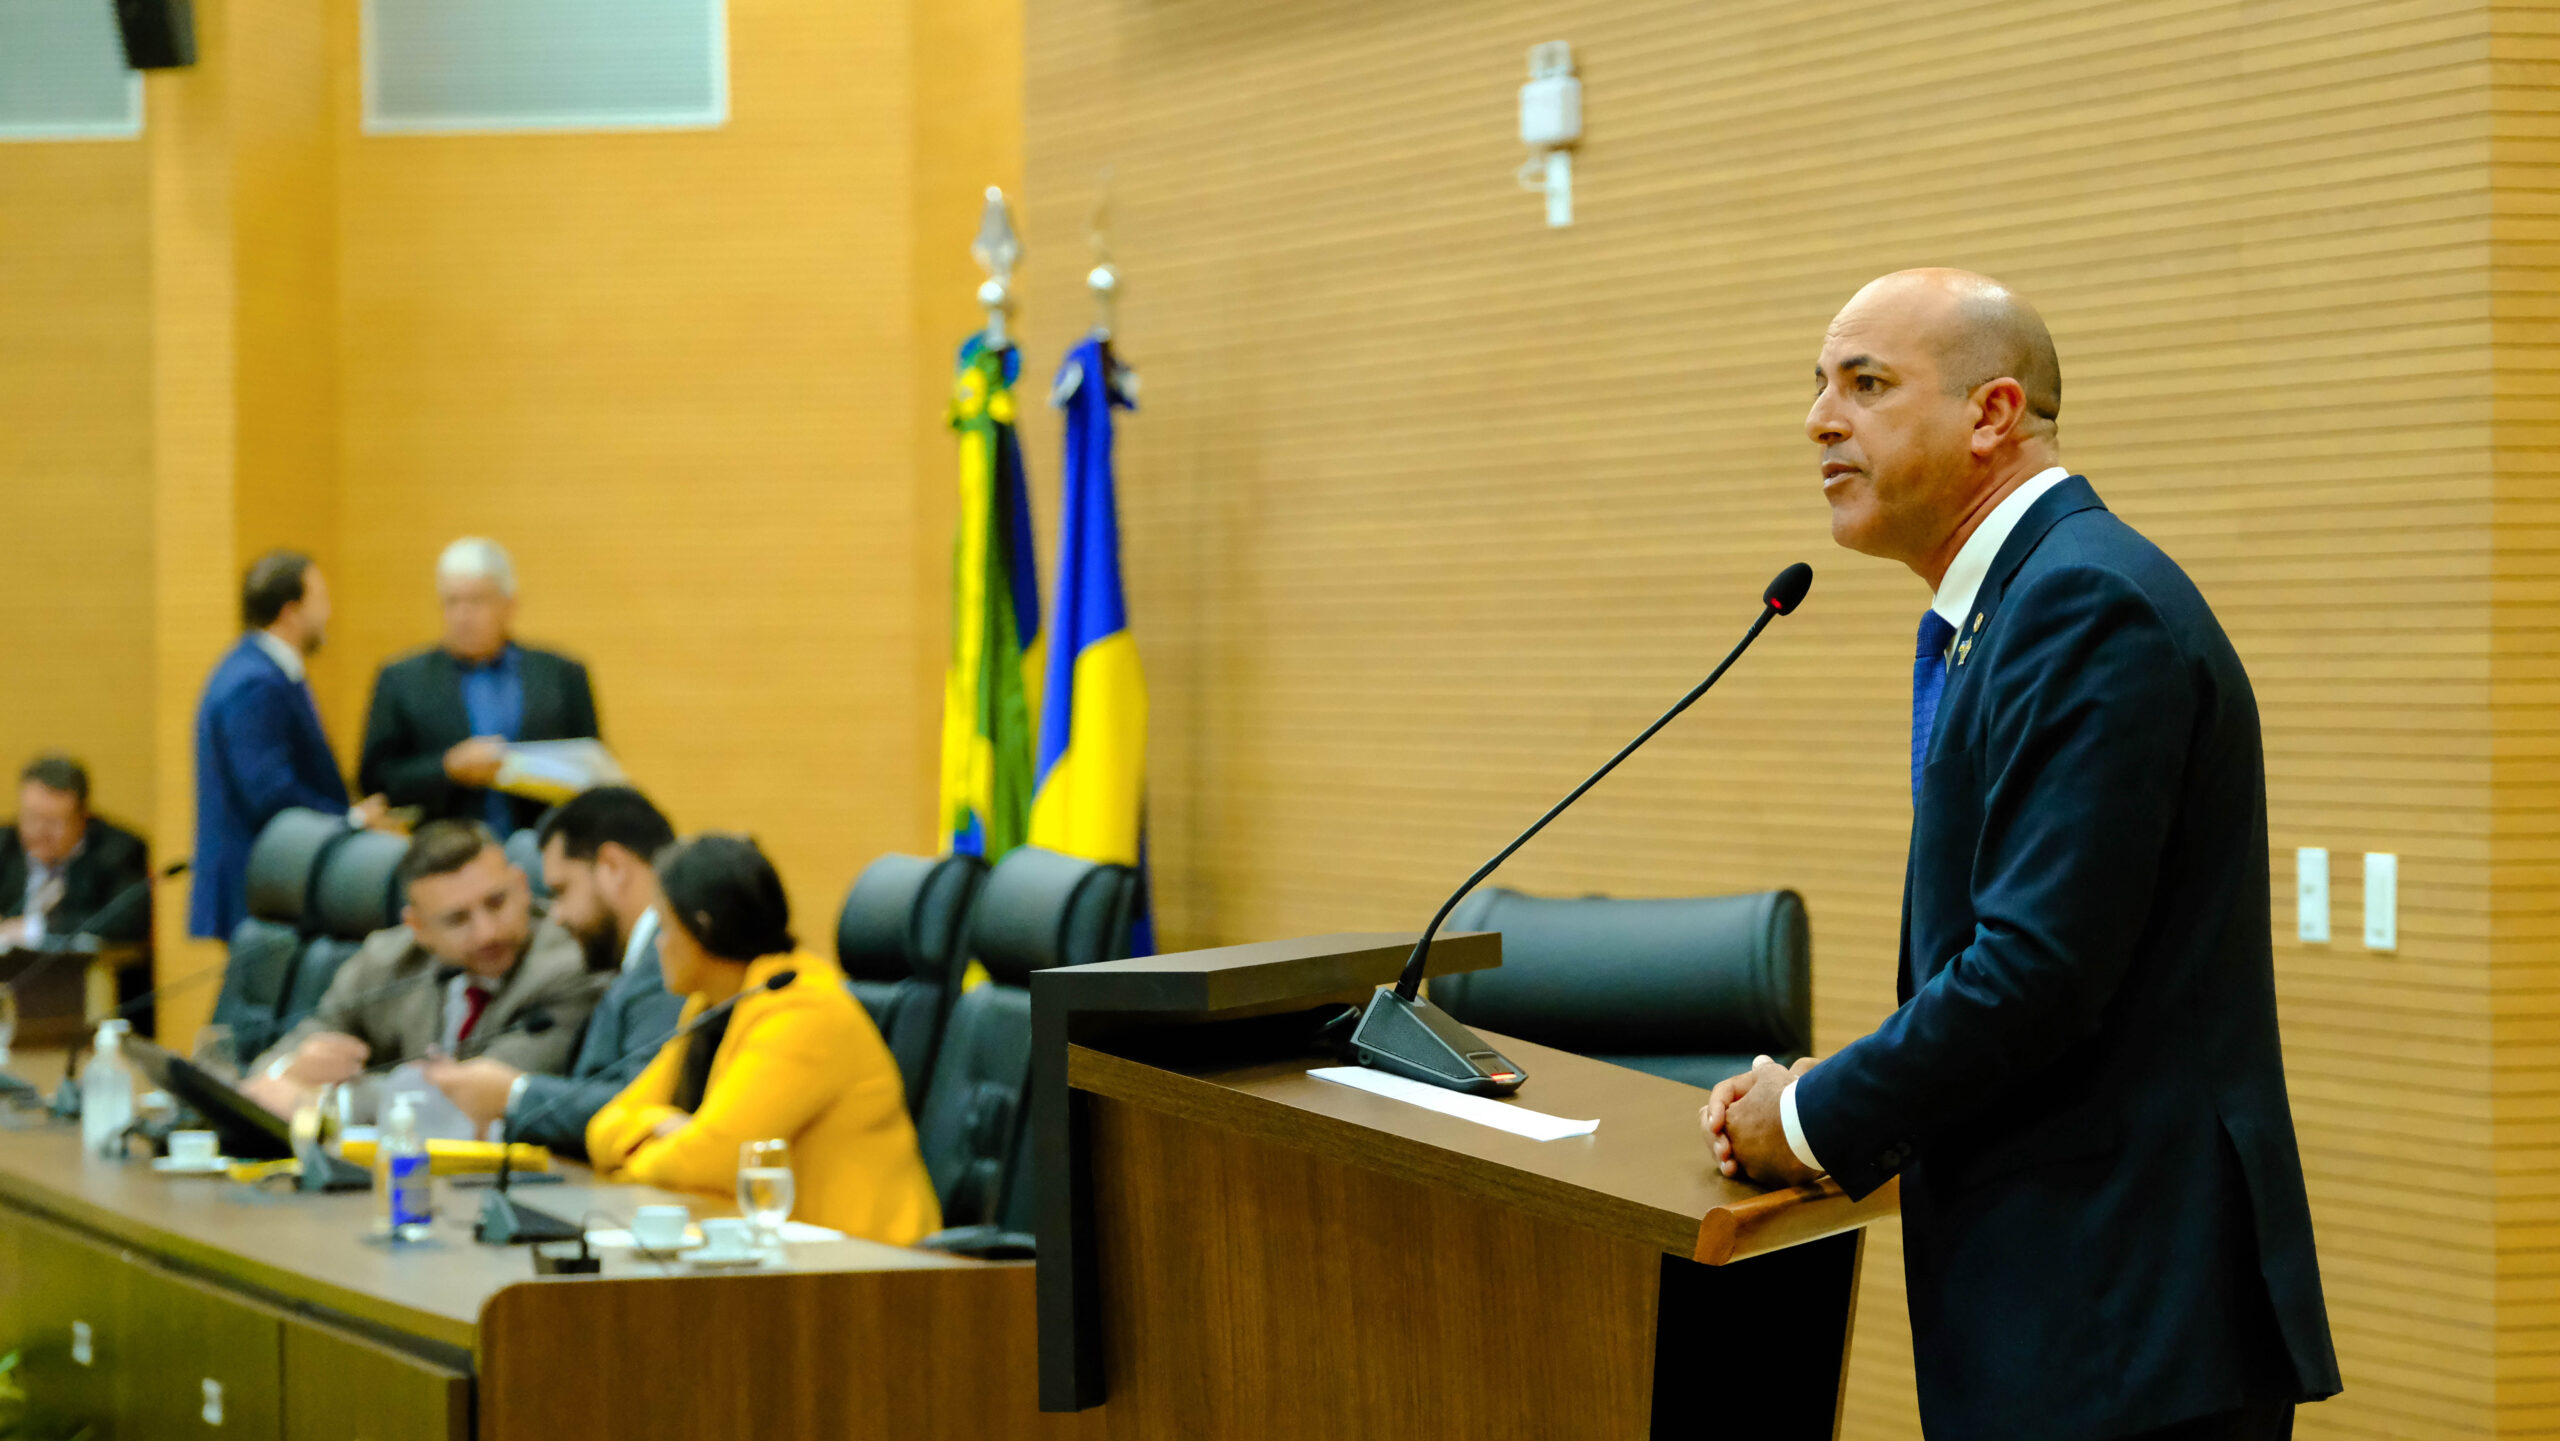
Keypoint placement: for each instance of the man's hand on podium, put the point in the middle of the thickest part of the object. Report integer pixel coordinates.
(1741, 1124)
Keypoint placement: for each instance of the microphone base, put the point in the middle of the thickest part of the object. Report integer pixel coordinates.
(504, 1223)
(1419, 1041)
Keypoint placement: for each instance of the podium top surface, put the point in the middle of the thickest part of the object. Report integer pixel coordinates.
(1645, 1175)
(1232, 978)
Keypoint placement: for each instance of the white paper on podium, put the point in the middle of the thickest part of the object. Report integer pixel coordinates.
(1483, 1110)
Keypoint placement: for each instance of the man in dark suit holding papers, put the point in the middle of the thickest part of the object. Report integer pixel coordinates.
(2106, 1230)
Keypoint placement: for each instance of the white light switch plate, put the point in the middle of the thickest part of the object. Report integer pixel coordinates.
(2311, 894)
(2381, 901)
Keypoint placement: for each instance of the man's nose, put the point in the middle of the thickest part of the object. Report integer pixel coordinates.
(1823, 423)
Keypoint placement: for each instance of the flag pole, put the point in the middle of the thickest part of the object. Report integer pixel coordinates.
(998, 249)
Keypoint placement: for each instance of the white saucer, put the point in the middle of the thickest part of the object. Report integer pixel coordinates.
(172, 1166)
(743, 1256)
(691, 1242)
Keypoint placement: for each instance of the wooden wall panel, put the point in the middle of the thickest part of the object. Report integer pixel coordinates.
(2525, 923)
(75, 463)
(1430, 505)
(685, 378)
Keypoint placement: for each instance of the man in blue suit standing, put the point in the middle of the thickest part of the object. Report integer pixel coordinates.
(2106, 1232)
(259, 747)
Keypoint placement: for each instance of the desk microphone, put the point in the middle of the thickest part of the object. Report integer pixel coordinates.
(115, 903)
(1401, 1032)
(66, 1100)
(504, 1223)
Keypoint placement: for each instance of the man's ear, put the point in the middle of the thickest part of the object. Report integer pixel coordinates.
(2000, 409)
(409, 916)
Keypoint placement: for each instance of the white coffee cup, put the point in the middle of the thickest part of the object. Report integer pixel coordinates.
(193, 1148)
(727, 1235)
(660, 1228)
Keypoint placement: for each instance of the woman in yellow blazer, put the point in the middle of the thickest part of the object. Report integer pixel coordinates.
(802, 1064)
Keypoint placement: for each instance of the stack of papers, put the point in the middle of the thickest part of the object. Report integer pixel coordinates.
(1483, 1110)
(553, 771)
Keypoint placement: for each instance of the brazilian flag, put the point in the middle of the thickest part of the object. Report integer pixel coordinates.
(990, 693)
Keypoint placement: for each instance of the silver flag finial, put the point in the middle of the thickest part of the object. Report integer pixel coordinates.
(998, 249)
(1103, 281)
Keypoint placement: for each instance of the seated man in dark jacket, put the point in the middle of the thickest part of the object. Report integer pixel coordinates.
(442, 718)
(596, 850)
(63, 869)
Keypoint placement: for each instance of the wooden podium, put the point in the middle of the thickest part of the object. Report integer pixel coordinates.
(1230, 1247)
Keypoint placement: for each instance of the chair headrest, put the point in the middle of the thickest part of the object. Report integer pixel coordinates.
(356, 893)
(903, 916)
(1710, 973)
(1040, 909)
(282, 859)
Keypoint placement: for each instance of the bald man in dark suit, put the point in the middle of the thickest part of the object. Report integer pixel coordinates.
(2106, 1232)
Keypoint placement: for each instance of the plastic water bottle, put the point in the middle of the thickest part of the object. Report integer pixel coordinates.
(106, 1093)
(402, 1202)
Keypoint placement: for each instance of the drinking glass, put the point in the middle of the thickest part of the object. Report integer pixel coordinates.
(214, 1055)
(764, 1188)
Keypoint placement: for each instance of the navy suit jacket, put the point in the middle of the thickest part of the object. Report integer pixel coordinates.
(259, 751)
(554, 1110)
(2105, 1227)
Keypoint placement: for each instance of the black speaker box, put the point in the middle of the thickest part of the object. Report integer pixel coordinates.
(158, 34)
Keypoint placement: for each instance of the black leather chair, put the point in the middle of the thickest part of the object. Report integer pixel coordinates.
(264, 947)
(355, 894)
(1691, 989)
(1038, 909)
(898, 939)
(526, 852)
(316, 889)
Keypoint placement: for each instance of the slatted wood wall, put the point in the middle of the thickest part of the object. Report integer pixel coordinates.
(694, 380)
(2525, 922)
(1430, 505)
(75, 455)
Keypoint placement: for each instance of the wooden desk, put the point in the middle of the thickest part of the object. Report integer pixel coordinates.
(314, 1331)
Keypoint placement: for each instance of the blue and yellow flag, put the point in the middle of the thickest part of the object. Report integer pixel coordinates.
(989, 693)
(1093, 722)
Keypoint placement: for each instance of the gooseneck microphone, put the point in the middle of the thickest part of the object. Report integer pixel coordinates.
(1402, 1033)
(116, 904)
(66, 1101)
(504, 1223)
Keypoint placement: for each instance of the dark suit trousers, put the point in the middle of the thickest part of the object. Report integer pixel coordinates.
(2249, 1423)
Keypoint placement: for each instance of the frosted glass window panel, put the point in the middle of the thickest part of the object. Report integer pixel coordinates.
(62, 73)
(493, 66)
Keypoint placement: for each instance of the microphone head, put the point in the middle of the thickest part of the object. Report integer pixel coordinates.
(537, 1022)
(781, 979)
(1787, 591)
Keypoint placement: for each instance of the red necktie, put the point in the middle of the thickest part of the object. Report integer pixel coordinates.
(474, 1001)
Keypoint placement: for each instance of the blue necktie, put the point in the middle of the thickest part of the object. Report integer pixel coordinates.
(1928, 682)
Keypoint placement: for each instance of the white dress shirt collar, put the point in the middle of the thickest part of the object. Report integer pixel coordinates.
(643, 931)
(1964, 577)
(287, 659)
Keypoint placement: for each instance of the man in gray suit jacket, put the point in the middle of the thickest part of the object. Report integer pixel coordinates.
(468, 971)
(596, 853)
